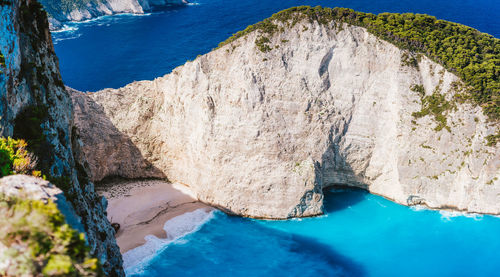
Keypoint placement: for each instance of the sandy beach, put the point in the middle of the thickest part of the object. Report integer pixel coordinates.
(142, 207)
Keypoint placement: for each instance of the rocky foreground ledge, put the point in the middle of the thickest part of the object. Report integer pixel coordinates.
(260, 126)
(35, 237)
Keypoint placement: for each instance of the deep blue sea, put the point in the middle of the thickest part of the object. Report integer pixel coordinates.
(116, 50)
(361, 234)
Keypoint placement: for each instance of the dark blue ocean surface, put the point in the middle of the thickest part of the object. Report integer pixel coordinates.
(113, 51)
(361, 235)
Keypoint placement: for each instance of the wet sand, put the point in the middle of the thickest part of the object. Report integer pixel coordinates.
(142, 208)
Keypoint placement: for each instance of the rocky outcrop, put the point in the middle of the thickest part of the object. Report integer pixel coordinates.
(101, 136)
(32, 188)
(260, 127)
(35, 106)
(81, 10)
(40, 212)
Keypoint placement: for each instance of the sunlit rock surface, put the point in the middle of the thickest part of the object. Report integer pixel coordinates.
(261, 134)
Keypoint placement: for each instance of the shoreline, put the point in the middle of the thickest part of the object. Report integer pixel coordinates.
(426, 206)
(142, 208)
(57, 25)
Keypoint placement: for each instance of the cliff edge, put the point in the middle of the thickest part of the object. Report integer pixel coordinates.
(35, 107)
(305, 100)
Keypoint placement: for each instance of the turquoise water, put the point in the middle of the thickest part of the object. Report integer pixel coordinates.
(361, 235)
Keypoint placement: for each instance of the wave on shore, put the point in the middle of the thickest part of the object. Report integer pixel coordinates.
(448, 215)
(134, 260)
(69, 29)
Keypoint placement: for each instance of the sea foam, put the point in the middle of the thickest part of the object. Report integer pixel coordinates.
(448, 215)
(65, 28)
(70, 29)
(136, 259)
(418, 208)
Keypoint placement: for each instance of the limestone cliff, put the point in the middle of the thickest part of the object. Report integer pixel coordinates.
(101, 136)
(61, 11)
(35, 106)
(260, 126)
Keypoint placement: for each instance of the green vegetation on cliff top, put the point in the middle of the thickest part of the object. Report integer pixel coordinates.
(470, 54)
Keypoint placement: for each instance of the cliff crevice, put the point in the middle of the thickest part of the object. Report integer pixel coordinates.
(278, 112)
(36, 107)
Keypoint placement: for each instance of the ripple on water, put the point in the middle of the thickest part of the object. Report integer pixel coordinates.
(357, 237)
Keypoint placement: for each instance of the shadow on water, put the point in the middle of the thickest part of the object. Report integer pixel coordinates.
(234, 246)
(342, 265)
(338, 198)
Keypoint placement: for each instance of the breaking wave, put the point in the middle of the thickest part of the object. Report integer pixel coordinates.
(134, 260)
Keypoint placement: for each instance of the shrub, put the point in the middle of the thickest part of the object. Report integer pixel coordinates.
(437, 106)
(39, 242)
(408, 60)
(418, 89)
(14, 158)
(492, 140)
(263, 44)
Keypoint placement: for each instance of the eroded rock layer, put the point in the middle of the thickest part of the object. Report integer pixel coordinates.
(259, 127)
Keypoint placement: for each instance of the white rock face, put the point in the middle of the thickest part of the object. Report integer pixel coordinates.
(103, 137)
(261, 134)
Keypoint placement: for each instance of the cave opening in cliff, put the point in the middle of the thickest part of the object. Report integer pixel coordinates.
(338, 197)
